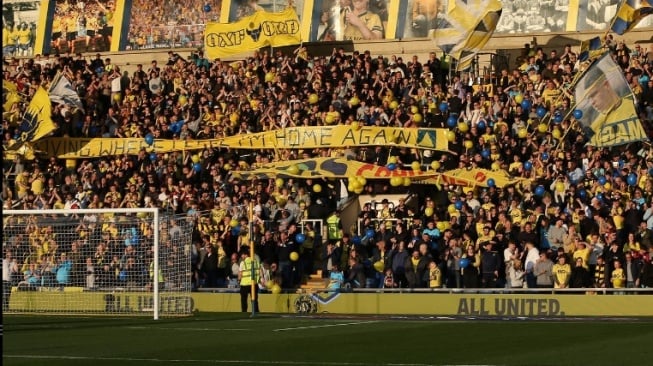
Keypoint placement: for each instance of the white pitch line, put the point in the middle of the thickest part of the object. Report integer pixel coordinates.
(325, 326)
(258, 362)
(191, 329)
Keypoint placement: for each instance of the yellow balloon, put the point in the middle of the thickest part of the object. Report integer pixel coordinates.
(392, 160)
(355, 184)
(183, 100)
(396, 181)
(354, 101)
(496, 166)
(276, 289)
(441, 225)
(293, 169)
(254, 103)
(269, 77)
(417, 117)
(415, 165)
(556, 134)
(522, 133)
(428, 211)
(451, 136)
(359, 190)
(435, 165)
(463, 127)
(607, 186)
(362, 181)
(542, 127)
(351, 187)
(117, 97)
(407, 182)
(414, 109)
(317, 188)
(519, 98)
(560, 187)
(195, 158)
(233, 223)
(294, 256)
(355, 125)
(313, 98)
(451, 208)
(329, 119)
(227, 167)
(469, 144)
(393, 104)
(279, 182)
(269, 284)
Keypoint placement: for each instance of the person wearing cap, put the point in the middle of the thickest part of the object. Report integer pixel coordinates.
(249, 273)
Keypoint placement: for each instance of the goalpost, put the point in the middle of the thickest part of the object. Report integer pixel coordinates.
(131, 261)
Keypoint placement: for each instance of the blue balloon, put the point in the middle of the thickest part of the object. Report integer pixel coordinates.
(600, 197)
(452, 121)
(582, 193)
(369, 233)
(481, 125)
(541, 112)
(528, 165)
(149, 139)
(236, 230)
(392, 166)
(558, 118)
(539, 190)
(300, 238)
(578, 114)
(491, 182)
(545, 156)
(526, 104)
(632, 179)
(197, 167)
(443, 107)
(356, 240)
(485, 153)
(153, 156)
(463, 262)
(458, 205)
(602, 180)
(174, 128)
(207, 8)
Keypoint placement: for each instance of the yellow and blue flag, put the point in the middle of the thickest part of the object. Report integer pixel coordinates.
(36, 121)
(630, 13)
(466, 28)
(590, 49)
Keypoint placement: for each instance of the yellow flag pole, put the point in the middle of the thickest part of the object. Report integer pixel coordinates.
(251, 255)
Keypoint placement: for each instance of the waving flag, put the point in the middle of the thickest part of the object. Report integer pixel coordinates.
(630, 12)
(607, 104)
(591, 48)
(62, 92)
(466, 28)
(10, 95)
(36, 121)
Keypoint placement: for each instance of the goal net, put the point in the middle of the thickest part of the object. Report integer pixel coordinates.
(95, 261)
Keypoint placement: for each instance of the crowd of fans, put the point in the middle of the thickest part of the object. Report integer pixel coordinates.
(588, 218)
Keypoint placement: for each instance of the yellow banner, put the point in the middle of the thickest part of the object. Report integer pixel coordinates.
(329, 168)
(10, 95)
(288, 138)
(262, 29)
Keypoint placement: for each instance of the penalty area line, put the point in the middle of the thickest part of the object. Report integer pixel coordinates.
(186, 328)
(218, 362)
(325, 326)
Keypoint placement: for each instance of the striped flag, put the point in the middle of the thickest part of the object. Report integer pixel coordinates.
(591, 48)
(61, 91)
(630, 13)
(467, 27)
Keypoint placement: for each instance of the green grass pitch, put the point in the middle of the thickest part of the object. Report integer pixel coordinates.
(238, 339)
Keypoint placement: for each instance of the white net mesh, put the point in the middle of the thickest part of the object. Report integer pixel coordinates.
(99, 262)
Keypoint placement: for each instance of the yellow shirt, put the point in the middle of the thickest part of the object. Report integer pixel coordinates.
(352, 33)
(583, 254)
(561, 274)
(435, 278)
(618, 278)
